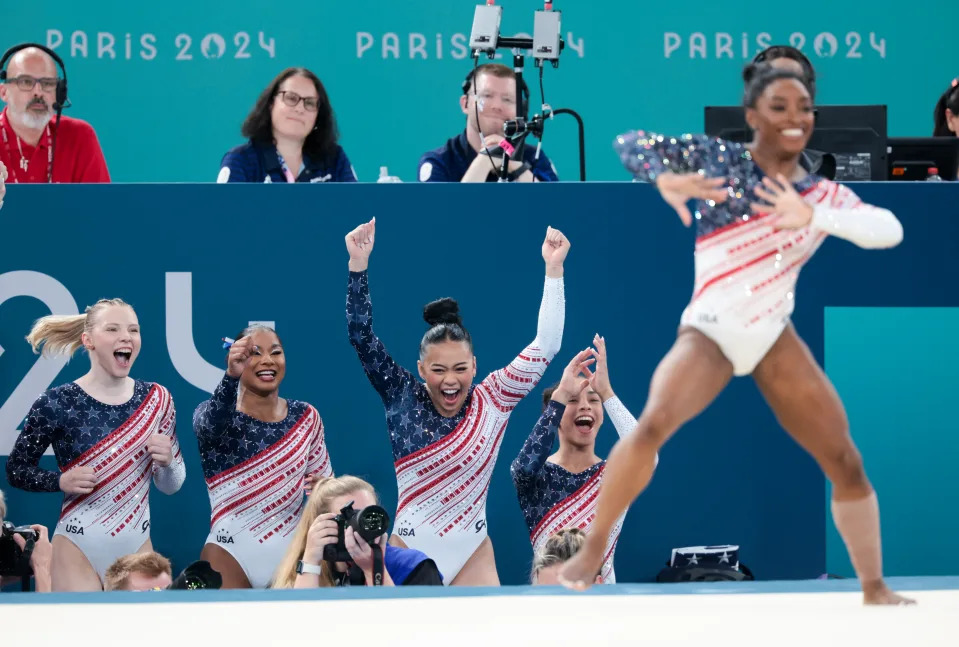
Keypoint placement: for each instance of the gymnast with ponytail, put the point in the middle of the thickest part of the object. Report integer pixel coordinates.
(111, 435)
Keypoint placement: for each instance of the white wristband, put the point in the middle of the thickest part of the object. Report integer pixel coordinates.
(309, 569)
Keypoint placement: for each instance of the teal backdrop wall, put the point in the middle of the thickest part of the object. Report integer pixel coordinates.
(167, 85)
(898, 371)
(200, 261)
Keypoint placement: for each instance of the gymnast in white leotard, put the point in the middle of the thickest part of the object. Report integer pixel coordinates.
(110, 434)
(759, 218)
(446, 433)
(260, 453)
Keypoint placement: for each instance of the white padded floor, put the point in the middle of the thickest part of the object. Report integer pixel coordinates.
(820, 613)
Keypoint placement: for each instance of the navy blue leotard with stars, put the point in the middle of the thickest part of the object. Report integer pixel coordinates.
(254, 472)
(114, 519)
(552, 497)
(443, 465)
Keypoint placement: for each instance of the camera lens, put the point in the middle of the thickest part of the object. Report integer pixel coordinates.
(514, 127)
(371, 522)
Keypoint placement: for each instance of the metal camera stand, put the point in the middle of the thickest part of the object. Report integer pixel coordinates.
(546, 45)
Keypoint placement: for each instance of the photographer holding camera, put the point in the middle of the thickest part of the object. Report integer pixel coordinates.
(24, 551)
(338, 540)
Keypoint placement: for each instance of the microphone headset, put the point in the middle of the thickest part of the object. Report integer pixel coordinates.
(60, 98)
(61, 95)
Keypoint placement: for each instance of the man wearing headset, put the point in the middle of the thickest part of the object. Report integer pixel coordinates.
(33, 146)
(474, 155)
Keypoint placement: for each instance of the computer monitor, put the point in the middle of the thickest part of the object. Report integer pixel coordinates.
(910, 158)
(854, 135)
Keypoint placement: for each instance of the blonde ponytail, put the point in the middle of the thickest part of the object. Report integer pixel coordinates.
(62, 334)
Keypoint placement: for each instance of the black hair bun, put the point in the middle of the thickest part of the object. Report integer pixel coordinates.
(442, 311)
(752, 70)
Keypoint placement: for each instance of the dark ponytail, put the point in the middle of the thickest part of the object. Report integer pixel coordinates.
(443, 317)
(759, 76)
(950, 100)
(548, 394)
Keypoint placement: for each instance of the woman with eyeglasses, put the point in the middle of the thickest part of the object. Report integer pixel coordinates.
(293, 136)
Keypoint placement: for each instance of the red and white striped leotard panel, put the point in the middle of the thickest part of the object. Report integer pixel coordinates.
(261, 497)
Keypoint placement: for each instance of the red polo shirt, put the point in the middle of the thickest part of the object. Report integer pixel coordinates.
(78, 157)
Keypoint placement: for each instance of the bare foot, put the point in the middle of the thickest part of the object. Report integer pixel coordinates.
(879, 593)
(579, 573)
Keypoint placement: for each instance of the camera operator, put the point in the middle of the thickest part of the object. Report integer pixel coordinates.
(30, 540)
(488, 101)
(325, 531)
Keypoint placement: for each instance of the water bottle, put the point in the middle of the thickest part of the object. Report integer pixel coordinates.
(933, 175)
(386, 178)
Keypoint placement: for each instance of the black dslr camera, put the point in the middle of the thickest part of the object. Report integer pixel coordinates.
(13, 561)
(198, 575)
(370, 523)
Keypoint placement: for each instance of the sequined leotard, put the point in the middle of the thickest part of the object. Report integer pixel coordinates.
(553, 498)
(114, 519)
(746, 270)
(254, 473)
(443, 465)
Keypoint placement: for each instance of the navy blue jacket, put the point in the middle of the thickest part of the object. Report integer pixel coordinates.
(449, 162)
(254, 162)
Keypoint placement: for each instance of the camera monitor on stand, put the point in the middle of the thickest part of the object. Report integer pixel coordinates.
(854, 135)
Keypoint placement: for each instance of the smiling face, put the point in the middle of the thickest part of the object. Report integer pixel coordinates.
(267, 365)
(448, 368)
(581, 420)
(783, 117)
(495, 101)
(113, 339)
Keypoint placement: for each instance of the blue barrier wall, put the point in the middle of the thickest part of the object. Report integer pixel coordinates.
(277, 254)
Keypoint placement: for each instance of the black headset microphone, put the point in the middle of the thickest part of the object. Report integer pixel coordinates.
(60, 98)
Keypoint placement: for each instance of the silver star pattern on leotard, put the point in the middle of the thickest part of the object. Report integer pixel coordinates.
(228, 437)
(73, 422)
(648, 155)
(540, 485)
(412, 420)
